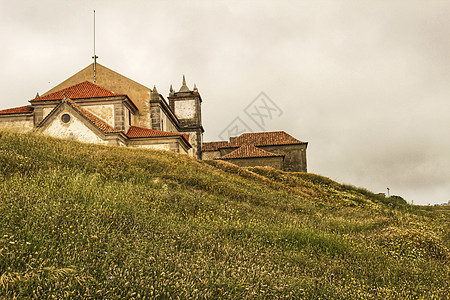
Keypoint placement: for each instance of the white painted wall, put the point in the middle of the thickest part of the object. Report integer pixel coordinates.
(73, 130)
(185, 109)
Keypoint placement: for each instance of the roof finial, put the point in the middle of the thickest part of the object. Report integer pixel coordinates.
(154, 95)
(171, 90)
(184, 87)
(37, 95)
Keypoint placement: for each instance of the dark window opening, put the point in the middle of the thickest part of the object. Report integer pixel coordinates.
(65, 118)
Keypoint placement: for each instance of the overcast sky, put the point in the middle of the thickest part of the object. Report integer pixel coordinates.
(366, 83)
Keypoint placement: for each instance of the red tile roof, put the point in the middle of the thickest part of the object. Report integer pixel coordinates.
(140, 132)
(213, 146)
(97, 122)
(249, 151)
(84, 89)
(17, 110)
(265, 139)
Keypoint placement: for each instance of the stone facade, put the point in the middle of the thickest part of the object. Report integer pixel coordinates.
(274, 162)
(113, 109)
(132, 114)
(275, 149)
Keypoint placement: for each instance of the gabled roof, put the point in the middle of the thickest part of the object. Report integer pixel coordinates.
(84, 89)
(17, 110)
(265, 139)
(140, 132)
(213, 146)
(97, 122)
(249, 151)
(94, 120)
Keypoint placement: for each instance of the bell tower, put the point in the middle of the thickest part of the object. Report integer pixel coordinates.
(187, 106)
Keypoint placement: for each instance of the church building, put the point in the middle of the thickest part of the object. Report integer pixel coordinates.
(98, 105)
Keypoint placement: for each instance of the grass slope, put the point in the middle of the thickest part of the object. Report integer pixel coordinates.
(89, 221)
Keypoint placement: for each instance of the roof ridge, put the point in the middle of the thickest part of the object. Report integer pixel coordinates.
(268, 138)
(249, 151)
(84, 89)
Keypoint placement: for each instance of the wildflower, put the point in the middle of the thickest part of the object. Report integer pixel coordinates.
(332, 275)
(12, 243)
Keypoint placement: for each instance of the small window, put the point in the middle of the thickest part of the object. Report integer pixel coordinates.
(65, 118)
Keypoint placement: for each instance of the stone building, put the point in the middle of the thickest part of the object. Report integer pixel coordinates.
(276, 149)
(98, 105)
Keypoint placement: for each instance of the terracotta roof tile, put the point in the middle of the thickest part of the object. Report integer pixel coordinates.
(265, 139)
(84, 89)
(17, 110)
(249, 151)
(213, 146)
(140, 132)
(97, 122)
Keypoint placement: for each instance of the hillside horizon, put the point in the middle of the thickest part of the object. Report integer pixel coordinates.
(88, 221)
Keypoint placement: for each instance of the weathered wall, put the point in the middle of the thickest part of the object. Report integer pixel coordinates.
(73, 130)
(185, 109)
(168, 124)
(46, 111)
(165, 147)
(104, 112)
(295, 156)
(22, 123)
(274, 162)
(210, 155)
(167, 144)
(41, 111)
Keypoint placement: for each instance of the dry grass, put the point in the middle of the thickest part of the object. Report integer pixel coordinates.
(86, 221)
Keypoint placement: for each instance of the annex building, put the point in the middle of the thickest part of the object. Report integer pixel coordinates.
(98, 105)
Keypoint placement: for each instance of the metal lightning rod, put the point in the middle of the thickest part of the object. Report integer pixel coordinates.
(95, 56)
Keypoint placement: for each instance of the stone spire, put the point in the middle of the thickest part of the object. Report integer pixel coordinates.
(184, 88)
(195, 88)
(154, 95)
(171, 90)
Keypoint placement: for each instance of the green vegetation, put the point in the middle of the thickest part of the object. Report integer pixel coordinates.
(89, 221)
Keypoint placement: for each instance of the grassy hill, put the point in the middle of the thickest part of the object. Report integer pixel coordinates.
(89, 221)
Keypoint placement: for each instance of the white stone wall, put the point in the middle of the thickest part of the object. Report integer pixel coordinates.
(73, 130)
(104, 112)
(185, 109)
